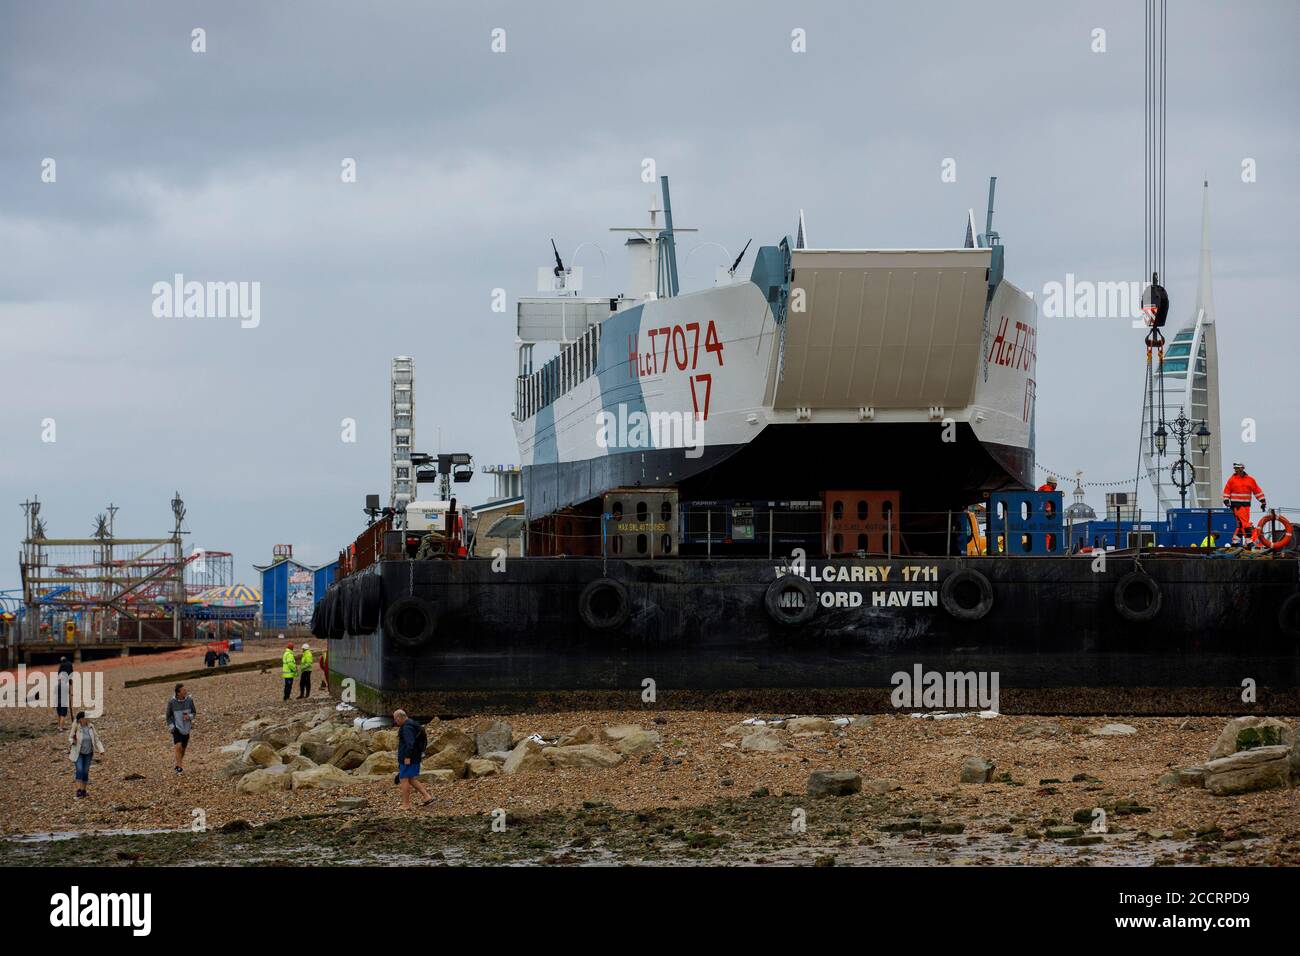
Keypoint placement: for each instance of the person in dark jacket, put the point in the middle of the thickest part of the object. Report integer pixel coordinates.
(409, 754)
(63, 690)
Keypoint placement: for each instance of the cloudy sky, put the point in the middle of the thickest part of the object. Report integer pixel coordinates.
(225, 165)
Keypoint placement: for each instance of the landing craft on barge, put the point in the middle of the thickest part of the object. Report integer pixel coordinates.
(825, 369)
(713, 514)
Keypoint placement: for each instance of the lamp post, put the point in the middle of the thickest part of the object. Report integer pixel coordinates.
(178, 591)
(1183, 430)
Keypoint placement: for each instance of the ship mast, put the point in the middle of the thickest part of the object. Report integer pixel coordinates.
(661, 247)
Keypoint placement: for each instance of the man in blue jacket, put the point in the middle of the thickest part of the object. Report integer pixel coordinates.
(411, 741)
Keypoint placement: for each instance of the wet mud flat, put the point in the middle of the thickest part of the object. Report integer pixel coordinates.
(755, 830)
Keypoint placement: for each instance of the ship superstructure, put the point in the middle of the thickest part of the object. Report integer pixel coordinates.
(825, 368)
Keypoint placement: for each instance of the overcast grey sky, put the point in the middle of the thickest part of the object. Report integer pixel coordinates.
(225, 165)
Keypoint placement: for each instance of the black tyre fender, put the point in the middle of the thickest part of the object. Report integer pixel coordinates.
(957, 590)
(344, 601)
(322, 616)
(604, 604)
(1288, 616)
(318, 629)
(790, 613)
(369, 603)
(1127, 586)
(411, 621)
(352, 604)
(334, 620)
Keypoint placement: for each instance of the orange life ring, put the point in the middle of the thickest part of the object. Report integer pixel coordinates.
(1269, 520)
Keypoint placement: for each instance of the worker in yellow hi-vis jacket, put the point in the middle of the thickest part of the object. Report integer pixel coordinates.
(304, 671)
(288, 669)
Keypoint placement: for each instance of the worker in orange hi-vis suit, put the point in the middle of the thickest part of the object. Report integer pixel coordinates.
(1236, 495)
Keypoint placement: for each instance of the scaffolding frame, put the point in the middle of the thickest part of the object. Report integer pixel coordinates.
(105, 579)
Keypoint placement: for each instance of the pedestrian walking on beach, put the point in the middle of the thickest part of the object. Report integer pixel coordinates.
(85, 744)
(63, 690)
(304, 669)
(411, 741)
(180, 721)
(288, 669)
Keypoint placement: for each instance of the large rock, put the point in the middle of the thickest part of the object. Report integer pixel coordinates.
(833, 783)
(262, 754)
(300, 763)
(315, 744)
(619, 731)
(1261, 768)
(1247, 733)
(525, 758)
(480, 767)
(582, 755)
(239, 767)
(339, 736)
(382, 762)
(457, 740)
(1191, 776)
(1039, 729)
(976, 770)
(643, 741)
(1114, 730)
(492, 736)
(348, 756)
(256, 756)
(248, 728)
(809, 725)
(763, 740)
(383, 741)
(435, 776)
(324, 715)
(578, 735)
(448, 758)
(282, 734)
(265, 780)
(348, 749)
(288, 753)
(325, 777)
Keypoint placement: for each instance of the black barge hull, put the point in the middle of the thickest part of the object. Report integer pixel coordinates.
(1147, 633)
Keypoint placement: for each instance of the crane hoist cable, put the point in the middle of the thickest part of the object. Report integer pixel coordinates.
(1155, 300)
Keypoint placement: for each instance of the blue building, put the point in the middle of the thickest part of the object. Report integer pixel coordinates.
(290, 588)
